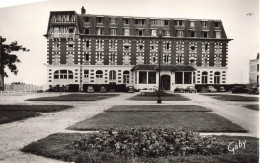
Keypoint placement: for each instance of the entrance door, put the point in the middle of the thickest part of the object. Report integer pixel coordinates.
(165, 82)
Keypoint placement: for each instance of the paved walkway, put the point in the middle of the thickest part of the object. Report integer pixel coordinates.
(16, 135)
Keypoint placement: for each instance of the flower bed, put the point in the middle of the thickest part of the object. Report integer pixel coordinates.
(149, 143)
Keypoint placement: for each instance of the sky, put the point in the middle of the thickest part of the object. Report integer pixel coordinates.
(27, 23)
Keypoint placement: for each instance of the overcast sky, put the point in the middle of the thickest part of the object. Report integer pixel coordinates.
(28, 23)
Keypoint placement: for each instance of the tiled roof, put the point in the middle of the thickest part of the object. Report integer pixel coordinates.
(163, 67)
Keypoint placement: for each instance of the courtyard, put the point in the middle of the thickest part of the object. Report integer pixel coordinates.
(18, 134)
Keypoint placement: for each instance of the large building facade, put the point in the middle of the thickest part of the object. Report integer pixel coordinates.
(88, 49)
(254, 71)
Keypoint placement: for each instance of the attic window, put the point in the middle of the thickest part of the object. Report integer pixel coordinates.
(99, 20)
(71, 30)
(87, 19)
(166, 22)
(216, 24)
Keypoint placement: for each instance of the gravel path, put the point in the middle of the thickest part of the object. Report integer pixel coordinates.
(16, 135)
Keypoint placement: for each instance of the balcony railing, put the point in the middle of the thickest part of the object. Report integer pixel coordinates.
(62, 35)
(86, 62)
(112, 63)
(100, 49)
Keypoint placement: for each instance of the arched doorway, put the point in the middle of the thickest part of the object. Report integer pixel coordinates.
(165, 82)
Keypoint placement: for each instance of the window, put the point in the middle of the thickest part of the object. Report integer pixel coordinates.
(179, 48)
(112, 75)
(204, 24)
(187, 77)
(126, 21)
(218, 48)
(113, 31)
(217, 77)
(139, 22)
(192, 24)
(167, 45)
(216, 24)
(166, 22)
(99, 44)
(192, 48)
(99, 57)
(204, 61)
(151, 77)
(113, 45)
(126, 31)
(179, 59)
(178, 77)
(140, 32)
(70, 59)
(71, 30)
(100, 31)
(204, 79)
(87, 44)
(56, 74)
(126, 77)
(140, 47)
(87, 31)
(99, 19)
(139, 59)
(86, 73)
(166, 58)
(206, 47)
(113, 59)
(179, 23)
(63, 74)
(180, 33)
(126, 47)
(56, 59)
(217, 64)
(126, 60)
(205, 34)
(218, 34)
(99, 74)
(87, 19)
(153, 32)
(153, 60)
(257, 68)
(142, 77)
(192, 34)
(113, 20)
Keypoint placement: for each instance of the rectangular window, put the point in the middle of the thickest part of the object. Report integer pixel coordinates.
(100, 31)
(151, 77)
(179, 23)
(153, 32)
(166, 22)
(216, 24)
(187, 78)
(126, 21)
(204, 24)
(192, 24)
(99, 19)
(167, 45)
(87, 19)
(192, 34)
(126, 31)
(86, 57)
(140, 32)
(205, 34)
(257, 68)
(218, 34)
(113, 31)
(178, 77)
(71, 30)
(87, 31)
(179, 33)
(113, 20)
(142, 77)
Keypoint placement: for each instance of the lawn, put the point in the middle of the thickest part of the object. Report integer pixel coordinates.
(10, 113)
(58, 146)
(225, 97)
(158, 108)
(75, 97)
(252, 107)
(168, 97)
(196, 121)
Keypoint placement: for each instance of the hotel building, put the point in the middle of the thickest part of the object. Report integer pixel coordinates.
(84, 50)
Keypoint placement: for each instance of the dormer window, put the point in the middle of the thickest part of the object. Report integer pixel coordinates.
(153, 32)
(87, 19)
(217, 24)
(192, 24)
(113, 20)
(218, 34)
(99, 19)
(204, 24)
(166, 22)
(126, 21)
(139, 22)
(179, 23)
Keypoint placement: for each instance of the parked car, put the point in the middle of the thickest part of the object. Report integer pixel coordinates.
(239, 89)
(90, 89)
(130, 89)
(178, 90)
(190, 89)
(211, 89)
(253, 91)
(222, 89)
(148, 90)
(103, 90)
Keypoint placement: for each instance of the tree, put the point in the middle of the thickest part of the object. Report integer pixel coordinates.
(8, 58)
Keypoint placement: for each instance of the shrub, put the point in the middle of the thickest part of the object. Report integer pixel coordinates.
(149, 143)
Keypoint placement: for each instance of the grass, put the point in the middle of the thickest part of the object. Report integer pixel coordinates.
(158, 108)
(196, 121)
(57, 146)
(225, 97)
(10, 113)
(252, 107)
(75, 97)
(169, 97)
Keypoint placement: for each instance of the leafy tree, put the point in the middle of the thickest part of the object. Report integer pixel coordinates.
(8, 58)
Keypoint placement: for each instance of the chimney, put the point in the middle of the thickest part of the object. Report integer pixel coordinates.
(83, 11)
